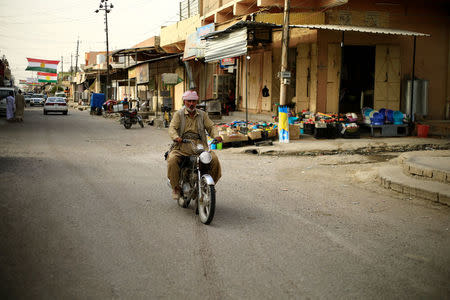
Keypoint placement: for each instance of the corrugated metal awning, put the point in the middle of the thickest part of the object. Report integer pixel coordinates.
(227, 45)
(361, 29)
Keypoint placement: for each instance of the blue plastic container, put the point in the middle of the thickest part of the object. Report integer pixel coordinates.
(390, 116)
(383, 112)
(377, 119)
(367, 112)
(398, 117)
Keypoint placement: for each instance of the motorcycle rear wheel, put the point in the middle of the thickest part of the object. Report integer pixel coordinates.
(141, 123)
(207, 203)
(127, 125)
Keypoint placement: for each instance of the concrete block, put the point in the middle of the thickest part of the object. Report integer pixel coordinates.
(385, 183)
(396, 187)
(427, 195)
(444, 199)
(409, 190)
(439, 176)
(379, 180)
(405, 168)
(413, 169)
(427, 172)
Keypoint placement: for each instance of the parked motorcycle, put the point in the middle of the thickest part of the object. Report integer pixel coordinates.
(196, 183)
(127, 118)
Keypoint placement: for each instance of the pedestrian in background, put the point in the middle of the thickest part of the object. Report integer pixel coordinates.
(10, 107)
(20, 106)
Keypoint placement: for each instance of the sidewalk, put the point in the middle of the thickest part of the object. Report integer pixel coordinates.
(307, 145)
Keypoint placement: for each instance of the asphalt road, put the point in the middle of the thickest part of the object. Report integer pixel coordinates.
(85, 213)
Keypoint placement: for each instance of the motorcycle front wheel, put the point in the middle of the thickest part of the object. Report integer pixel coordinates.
(141, 123)
(127, 125)
(207, 203)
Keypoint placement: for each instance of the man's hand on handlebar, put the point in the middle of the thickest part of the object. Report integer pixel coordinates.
(178, 140)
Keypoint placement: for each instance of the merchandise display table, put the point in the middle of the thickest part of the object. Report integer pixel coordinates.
(388, 130)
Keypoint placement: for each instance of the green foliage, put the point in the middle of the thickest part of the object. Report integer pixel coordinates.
(53, 89)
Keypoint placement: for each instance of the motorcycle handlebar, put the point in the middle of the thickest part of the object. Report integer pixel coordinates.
(214, 141)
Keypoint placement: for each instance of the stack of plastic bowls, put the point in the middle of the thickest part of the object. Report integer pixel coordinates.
(390, 116)
(398, 117)
(377, 119)
(367, 115)
(383, 112)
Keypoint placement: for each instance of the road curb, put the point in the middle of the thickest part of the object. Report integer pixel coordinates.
(275, 151)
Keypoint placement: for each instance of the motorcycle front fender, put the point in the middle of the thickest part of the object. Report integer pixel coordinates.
(209, 180)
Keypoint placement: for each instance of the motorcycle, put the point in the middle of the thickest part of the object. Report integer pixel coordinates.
(196, 183)
(130, 117)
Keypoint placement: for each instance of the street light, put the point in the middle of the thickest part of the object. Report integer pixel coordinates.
(107, 8)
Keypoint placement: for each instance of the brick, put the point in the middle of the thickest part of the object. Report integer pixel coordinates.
(396, 187)
(444, 199)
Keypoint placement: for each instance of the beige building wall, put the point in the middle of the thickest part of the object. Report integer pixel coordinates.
(179, 31)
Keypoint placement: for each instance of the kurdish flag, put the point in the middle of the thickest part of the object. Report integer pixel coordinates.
(43, 65)
(47, 77)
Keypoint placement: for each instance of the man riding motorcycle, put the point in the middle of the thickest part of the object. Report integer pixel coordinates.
(190, 123)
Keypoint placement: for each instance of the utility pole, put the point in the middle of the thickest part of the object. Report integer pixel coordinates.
(76, 57)
(284, 77)
(71, 64)
(107, 8)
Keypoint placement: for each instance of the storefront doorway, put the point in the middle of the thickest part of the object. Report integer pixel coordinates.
(357, 78)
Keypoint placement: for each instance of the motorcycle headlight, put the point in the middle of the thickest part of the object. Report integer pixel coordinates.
(205, 158)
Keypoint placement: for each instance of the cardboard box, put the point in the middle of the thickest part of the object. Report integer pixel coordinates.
(254, 135)
(272, 133)
(237, 137)
(294, 132)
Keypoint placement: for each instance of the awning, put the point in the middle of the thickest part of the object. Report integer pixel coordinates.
(232, 42)
(133, 51)
(169, 56)
(227, 45)
(361, 29)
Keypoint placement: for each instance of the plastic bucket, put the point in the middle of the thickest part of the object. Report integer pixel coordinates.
(219, 146)
(422, 130)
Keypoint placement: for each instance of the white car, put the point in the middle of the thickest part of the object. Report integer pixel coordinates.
(37, 99)
(62, 95)
(55, 104)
